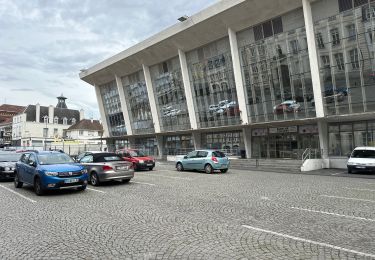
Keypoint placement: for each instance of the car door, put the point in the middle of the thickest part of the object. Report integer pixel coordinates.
(21, 166)
(200, 161)
(30, 168)
(188, 163)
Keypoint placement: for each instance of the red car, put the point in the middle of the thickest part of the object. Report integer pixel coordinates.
(138, 158)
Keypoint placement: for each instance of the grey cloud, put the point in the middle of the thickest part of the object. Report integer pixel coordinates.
(23, 89)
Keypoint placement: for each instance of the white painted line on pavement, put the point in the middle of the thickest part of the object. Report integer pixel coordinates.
(22, 196)
(359, 189)
(171, 177)
(96, 190)
(337, 173)
(346, 198)
(334, 214)
(146, 183)
(310, 241)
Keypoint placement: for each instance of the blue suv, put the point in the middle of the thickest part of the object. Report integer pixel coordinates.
(49, 170)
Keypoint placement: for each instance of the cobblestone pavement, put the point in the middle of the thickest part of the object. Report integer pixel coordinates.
(166, 214)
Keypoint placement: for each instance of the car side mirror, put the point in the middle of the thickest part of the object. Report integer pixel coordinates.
(185, 157)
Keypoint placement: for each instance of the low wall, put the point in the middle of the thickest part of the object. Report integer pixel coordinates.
(339, 163)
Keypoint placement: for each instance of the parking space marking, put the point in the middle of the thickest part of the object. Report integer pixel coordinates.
(96, 190)
(303, 240)
(145, 183)
(171, 177)
(334, 214)
(14, 192)
(347, 198)
(337, 173)
(358, 189)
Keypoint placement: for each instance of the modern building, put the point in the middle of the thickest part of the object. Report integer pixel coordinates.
(39, 126)
(7, 112)
(86, 131)
(270, 77)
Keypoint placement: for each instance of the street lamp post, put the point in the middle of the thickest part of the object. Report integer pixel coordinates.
(46, 132)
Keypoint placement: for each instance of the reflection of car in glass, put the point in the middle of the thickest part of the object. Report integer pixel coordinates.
(213, 108)
(330, 93)
(362, 159)
(289, 106)
(204, 160)
(49, 170)
(8, 164)
(138, 158)
(104, 166)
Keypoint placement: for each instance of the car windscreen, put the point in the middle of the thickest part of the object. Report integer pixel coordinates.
(363, 154)
(135, 153)
(218, 154)
(9, 157)
(54, 158)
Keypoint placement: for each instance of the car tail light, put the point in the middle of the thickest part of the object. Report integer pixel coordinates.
(107, 168)
(214, 159)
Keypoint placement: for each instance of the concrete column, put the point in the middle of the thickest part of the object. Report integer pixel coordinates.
(37, 113)
(313, 56)
(151, 98)
(124, 106)
(197, 138)
(51, 112)
(188, 90)
(241, 93)
(102, 112)
(246, 132)
(160, 143)
(323, 138)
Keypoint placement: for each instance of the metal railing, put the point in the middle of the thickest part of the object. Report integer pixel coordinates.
(310, 153)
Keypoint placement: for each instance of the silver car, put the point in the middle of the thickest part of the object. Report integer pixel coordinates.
(103, 166)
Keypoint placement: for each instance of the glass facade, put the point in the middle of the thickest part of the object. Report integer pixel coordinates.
(112, 109)
(344, 137)
(137, 102)
(229, 142)
(276, 69)
(178, 144)
(346, 50)
(148, 145)
(170, 95)
(212, 81)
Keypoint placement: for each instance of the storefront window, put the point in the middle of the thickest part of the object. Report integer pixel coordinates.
(112, 109)
(138, 103)
(229, 142)
(277, 73)
(170, 95)
(147, 145)
(214, 89)
(179, 144)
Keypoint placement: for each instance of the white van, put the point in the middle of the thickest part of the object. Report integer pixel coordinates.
(362, 159)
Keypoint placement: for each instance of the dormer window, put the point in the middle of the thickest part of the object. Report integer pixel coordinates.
(65, 121)
(74, 121)
(56, 120)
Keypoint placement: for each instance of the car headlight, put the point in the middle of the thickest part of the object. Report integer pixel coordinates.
(51, 173)
(84, 171)
(7, 169)
(141, 161)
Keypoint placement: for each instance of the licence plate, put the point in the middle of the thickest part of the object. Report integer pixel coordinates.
(149, 164)
(361, 167)
(121, 167)
(71, 180)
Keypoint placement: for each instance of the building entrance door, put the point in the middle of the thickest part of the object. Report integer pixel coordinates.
(283, 145)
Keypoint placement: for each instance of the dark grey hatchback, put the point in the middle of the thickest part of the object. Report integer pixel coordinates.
(8, 165)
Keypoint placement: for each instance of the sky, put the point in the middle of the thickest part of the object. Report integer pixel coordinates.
(45, 43)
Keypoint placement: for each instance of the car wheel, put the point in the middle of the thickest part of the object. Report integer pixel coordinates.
(179, 167)
(151, 168)
(224, 171)
(349, 170)
(82, 188)
(94, 180)
(135, 167)
(125, 180)
(17, 182)
(38, 187)
(208, 168)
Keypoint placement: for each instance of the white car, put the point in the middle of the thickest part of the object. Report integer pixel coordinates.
(362, 159)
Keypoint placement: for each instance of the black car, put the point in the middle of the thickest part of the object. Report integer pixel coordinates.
(8, 165)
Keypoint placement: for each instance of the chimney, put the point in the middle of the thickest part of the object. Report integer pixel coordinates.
(37, 113)
(81, 114)
(51, 111)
